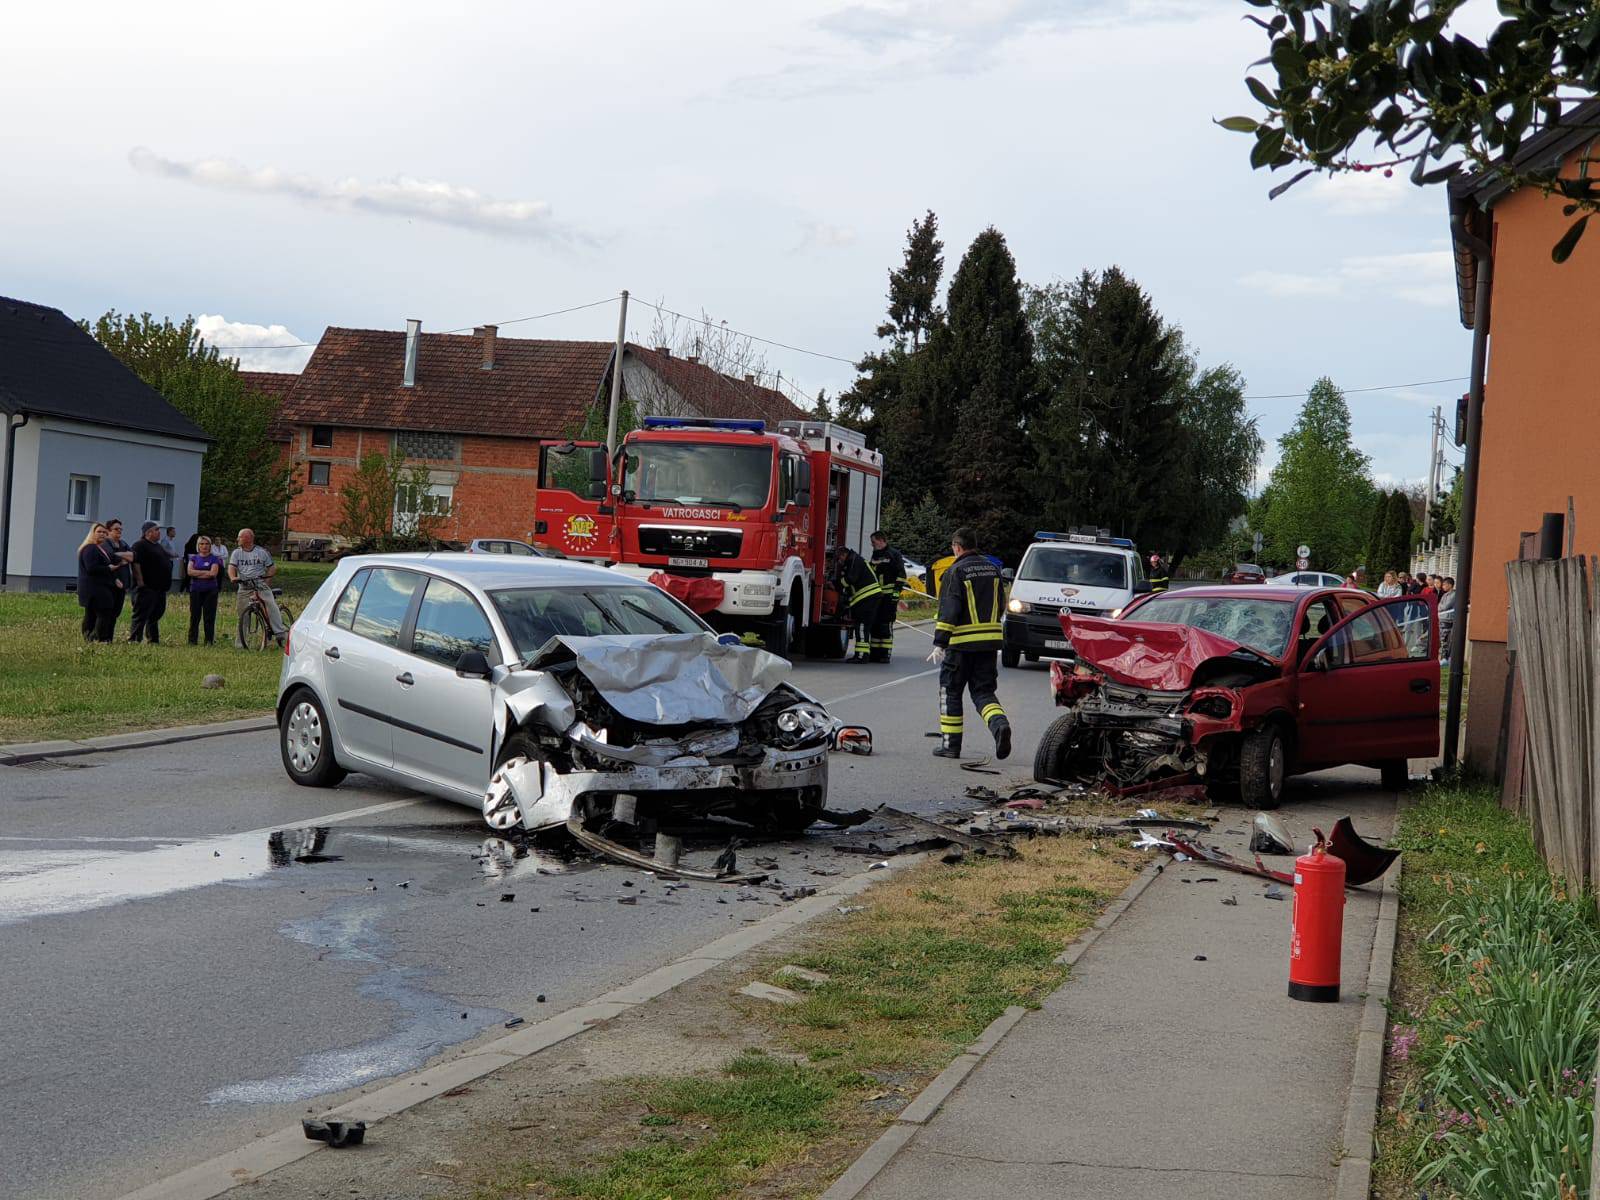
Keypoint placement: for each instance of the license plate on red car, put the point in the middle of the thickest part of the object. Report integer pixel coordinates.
(1053, 644)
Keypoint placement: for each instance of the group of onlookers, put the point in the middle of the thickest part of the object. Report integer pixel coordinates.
(111, 572)
(1403, 583)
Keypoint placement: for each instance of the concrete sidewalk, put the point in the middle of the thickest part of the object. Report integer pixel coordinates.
(1153, 1074)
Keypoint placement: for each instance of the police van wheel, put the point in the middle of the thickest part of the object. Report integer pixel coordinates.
(1010, 657)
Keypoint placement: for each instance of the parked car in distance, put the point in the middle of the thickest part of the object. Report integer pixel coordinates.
(537, 691)
(1245, 573)
(916, 576)
(1308, 579)
(511, 546)
(1242, 687)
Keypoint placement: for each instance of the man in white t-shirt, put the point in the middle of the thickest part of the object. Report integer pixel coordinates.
(251, 568)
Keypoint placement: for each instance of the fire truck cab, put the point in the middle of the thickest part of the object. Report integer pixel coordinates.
(737, 521)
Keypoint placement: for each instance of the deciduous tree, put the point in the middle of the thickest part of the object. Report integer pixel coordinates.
(1320, 491)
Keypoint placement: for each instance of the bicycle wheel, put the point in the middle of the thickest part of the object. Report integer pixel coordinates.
(254, 631)
(287, 614)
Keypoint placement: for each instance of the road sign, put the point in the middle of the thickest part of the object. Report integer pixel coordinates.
(1256, 542)
(1301, 563)
(1303, 551)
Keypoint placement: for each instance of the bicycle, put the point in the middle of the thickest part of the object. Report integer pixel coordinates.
(255, 629)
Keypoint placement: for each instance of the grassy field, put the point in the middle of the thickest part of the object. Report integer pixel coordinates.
(54, 685)
(930, 959)
(1495, 1014)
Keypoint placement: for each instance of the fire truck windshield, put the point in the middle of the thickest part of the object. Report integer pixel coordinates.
(705, 473)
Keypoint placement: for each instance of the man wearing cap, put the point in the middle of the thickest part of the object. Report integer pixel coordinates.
(152, 577)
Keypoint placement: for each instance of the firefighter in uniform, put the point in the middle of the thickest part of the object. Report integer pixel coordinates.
(1159, 577)
(861, 591)
(966, 645)
(890, 568)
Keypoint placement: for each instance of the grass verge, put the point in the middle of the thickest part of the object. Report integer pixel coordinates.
(57, 686)
(929, 959)
(1495, 1014)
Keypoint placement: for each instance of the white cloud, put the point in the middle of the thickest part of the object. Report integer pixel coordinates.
(403, 196)
(1360, 195)
(248, 343)
(818, 235)
(1424, 277)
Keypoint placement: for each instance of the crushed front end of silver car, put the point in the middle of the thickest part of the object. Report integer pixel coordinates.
(655, 729)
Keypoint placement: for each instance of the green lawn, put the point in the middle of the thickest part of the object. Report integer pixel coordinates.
(54, 685)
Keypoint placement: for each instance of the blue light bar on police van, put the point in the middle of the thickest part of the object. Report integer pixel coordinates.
(742, 426)
(1093, 539)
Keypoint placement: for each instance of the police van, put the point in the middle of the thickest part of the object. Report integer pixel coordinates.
(1087, 572)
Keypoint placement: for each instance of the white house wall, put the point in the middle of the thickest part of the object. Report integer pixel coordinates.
(44, 539)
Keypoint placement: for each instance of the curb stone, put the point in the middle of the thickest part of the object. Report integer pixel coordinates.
(1361, 1109)
(927, 1103)
(287, 1145)
(26, 752)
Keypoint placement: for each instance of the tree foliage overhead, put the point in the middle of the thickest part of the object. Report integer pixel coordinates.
(1319, 493)
(914, 287)
(243, 481)
(1394, 84)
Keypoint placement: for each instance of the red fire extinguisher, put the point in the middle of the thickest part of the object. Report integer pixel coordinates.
(1318, 920)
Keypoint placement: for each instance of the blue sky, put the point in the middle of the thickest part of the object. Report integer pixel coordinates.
(284, 168)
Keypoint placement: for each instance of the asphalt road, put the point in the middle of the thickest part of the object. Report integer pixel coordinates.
(177, 980)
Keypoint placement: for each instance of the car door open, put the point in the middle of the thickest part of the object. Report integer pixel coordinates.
(1368, 691)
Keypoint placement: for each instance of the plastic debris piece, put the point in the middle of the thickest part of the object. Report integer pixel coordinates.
(1028, 802)
(1274, 893)
(507, 897)
(627, 899)
(847, 909)
(879, 866)
(797, 893)
(770, 993)
(1199, 958)
(514, 1022)
(1363, 862)
(337, 1134)
(1231, 901)
(1269, 836)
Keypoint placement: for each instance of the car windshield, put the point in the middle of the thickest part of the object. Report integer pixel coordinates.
(1262, 625)
(534, 615)
(698, 473)
(1067, 564)
(1248, 568)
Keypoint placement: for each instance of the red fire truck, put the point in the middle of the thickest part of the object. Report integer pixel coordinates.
(735, 520)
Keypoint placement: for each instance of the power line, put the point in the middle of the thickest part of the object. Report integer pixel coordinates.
(1384, 387)
(661, 308)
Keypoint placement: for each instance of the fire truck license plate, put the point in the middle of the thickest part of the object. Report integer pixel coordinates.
(688, 562)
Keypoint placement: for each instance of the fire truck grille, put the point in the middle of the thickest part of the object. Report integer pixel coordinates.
(690, 543)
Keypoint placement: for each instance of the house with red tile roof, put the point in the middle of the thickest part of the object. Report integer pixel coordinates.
(478, 411)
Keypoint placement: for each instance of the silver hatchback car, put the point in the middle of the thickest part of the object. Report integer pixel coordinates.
(544, 692)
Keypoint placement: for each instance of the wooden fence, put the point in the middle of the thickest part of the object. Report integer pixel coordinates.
(1556, 753)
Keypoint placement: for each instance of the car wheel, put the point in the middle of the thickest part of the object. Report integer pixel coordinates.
(1010, 657)
(1263, 766)
(305, 741)
(1050, 759)
(499, 805)
(1396, 775)
(827, 642)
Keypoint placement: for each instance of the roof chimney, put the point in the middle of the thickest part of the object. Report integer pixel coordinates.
(664, 351)
(488, 333)
(413, 335)
(749, 378)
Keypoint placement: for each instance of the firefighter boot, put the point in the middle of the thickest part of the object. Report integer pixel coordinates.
(948, 747)
(995, 718)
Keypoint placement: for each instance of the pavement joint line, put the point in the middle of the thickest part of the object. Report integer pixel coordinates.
(287, 1145)
(1354, 1180)
(925, 1106)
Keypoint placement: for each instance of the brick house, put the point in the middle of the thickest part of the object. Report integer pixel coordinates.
(1534, 323)
(473, 409)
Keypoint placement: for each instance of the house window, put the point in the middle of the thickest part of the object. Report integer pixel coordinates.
(411, 502)
(322, 437)
(83, 497)
(158, 503)
(320, 472)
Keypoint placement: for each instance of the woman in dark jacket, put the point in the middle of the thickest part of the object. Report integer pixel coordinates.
(97, 586)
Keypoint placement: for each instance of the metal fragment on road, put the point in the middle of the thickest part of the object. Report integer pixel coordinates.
(607, 848)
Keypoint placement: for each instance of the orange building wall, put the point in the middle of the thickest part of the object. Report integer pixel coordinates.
(494, 483)
(1541, 428)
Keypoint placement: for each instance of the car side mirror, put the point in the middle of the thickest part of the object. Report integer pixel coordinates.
(597, 489)
(597, 468)
(805, 477)
(1143, 588)
(803, 497)
(473, 664)
(1007, 574)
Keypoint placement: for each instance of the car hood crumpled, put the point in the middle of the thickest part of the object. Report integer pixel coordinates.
(670, 679)
(1154, 655)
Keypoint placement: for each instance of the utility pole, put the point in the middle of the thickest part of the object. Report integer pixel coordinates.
(616, 378)
(1433, 475)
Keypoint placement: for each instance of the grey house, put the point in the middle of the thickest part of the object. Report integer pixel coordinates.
(85, 440)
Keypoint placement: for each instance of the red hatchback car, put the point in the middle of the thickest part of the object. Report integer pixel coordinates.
(1245, 573)
(1241, 687)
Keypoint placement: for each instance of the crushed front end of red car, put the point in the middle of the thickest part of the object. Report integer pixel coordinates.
(1148, 705)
